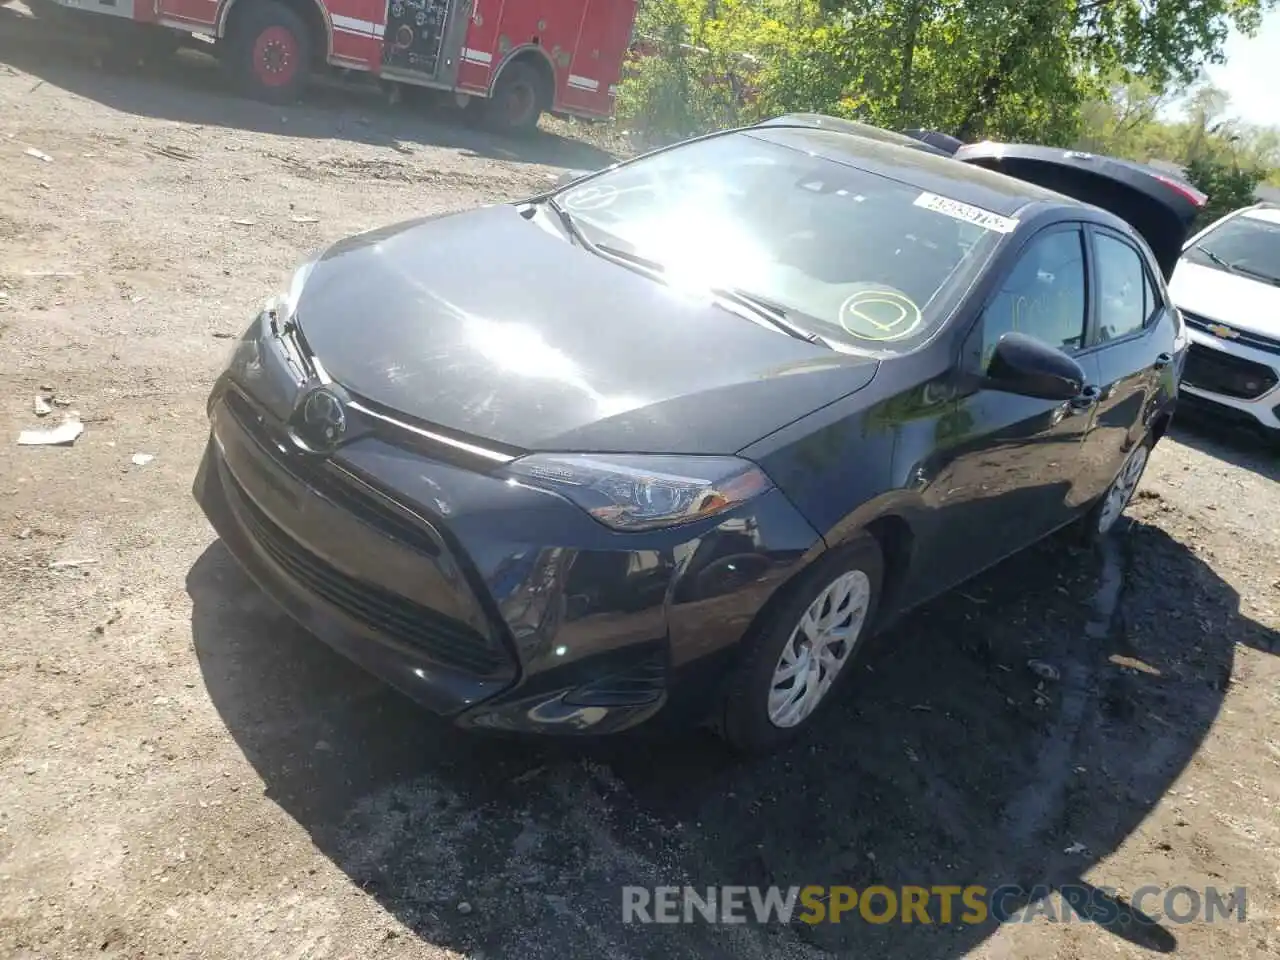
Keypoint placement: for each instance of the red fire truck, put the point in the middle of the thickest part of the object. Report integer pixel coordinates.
(510, 59)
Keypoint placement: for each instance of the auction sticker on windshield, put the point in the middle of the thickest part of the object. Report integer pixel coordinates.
(967, 213)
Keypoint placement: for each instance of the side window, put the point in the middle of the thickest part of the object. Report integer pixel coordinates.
(1153, 300)
(1125, 295)
(1043, 296)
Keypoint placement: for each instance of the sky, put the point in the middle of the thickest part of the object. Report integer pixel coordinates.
(1251, 75)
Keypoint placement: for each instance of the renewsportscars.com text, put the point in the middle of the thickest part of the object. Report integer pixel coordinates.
(938, 904)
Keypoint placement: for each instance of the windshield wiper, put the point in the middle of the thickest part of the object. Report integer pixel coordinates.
(571, 226)
(769, 311)
(1217, 259)
(1256, 275)
(1238, 268)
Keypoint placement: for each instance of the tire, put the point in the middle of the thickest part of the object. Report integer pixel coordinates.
(49, 11)
(143, 44)
(269, 53)
(759, 716)
(518, 100)
(1101, 520)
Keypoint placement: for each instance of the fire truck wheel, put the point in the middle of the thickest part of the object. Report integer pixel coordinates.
(269, 52)
(518, 100)
(48, 10)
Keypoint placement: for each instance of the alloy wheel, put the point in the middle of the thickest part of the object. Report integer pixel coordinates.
(818, 648)
(1123, 488)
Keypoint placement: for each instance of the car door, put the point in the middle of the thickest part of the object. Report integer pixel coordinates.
(1011, 476)
(1132, 342)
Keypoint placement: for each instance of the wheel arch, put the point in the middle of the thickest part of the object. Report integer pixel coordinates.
(894, 534)
(1160, 425)
(312, 12)
(897, 540)
(529, 53)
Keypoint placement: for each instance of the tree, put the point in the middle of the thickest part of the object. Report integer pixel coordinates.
(1228, 186)
(1015, 69)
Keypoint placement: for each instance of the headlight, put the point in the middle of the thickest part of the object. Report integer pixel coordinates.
(636, 492)
(283, 305)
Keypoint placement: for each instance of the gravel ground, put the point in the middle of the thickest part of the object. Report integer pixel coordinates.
(186, 774)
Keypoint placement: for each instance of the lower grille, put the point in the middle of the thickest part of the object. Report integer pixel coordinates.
(441, 638)
(1231, 376)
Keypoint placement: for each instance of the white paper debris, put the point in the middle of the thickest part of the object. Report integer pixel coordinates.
(63, 435)
(142, 459)
(39, 155)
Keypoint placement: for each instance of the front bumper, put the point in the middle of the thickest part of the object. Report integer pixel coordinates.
(1240, 378)
(492, 604)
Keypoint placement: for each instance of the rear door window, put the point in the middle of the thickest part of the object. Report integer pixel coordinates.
(1125, 294)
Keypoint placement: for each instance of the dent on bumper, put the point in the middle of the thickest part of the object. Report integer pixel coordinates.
(603, 637)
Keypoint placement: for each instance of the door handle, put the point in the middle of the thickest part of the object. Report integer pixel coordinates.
(1086, 398)
(1163, 361)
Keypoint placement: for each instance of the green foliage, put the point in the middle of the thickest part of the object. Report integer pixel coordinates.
(1227, 185)
(1226, 160)
(1013, 69)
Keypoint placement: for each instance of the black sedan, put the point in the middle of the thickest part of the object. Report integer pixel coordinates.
(673, 439)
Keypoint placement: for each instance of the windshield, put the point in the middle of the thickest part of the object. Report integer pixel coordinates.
(1248, 245)
(857, 258)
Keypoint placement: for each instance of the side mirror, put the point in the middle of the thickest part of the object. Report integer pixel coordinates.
(1030, 368)
(568, 177)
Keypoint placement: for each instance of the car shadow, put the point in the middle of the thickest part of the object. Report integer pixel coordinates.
(189, 87)
(1226, 440)
(948, 761)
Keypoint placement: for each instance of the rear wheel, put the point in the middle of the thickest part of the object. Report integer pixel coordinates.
(48, 10)
(1102, 518)
(518, 100)
(269, 53)
(796, 658)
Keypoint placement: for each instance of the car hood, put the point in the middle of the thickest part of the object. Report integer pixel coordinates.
(493, 325)
(1228, 298)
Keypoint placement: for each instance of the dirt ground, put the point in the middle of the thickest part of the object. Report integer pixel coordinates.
(185, 774)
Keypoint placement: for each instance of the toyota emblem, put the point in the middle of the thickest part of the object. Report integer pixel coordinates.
(324, 418)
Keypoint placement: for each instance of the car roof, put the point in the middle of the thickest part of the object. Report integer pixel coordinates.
(1268, 213)
(841, 125)
(930, 171)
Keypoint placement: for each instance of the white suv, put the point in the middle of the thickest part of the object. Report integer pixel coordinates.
(1227, 285)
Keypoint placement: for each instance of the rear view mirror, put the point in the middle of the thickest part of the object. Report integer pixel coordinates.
(1030, 368)
(568, 177)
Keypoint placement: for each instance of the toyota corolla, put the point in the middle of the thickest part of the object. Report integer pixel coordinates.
(673, 439)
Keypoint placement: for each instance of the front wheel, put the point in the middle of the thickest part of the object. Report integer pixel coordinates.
(798, 656)
(269, 53)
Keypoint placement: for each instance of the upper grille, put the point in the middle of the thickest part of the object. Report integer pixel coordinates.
(1224, 373)
(443, 639)
(1243, 337)
(333, 483)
